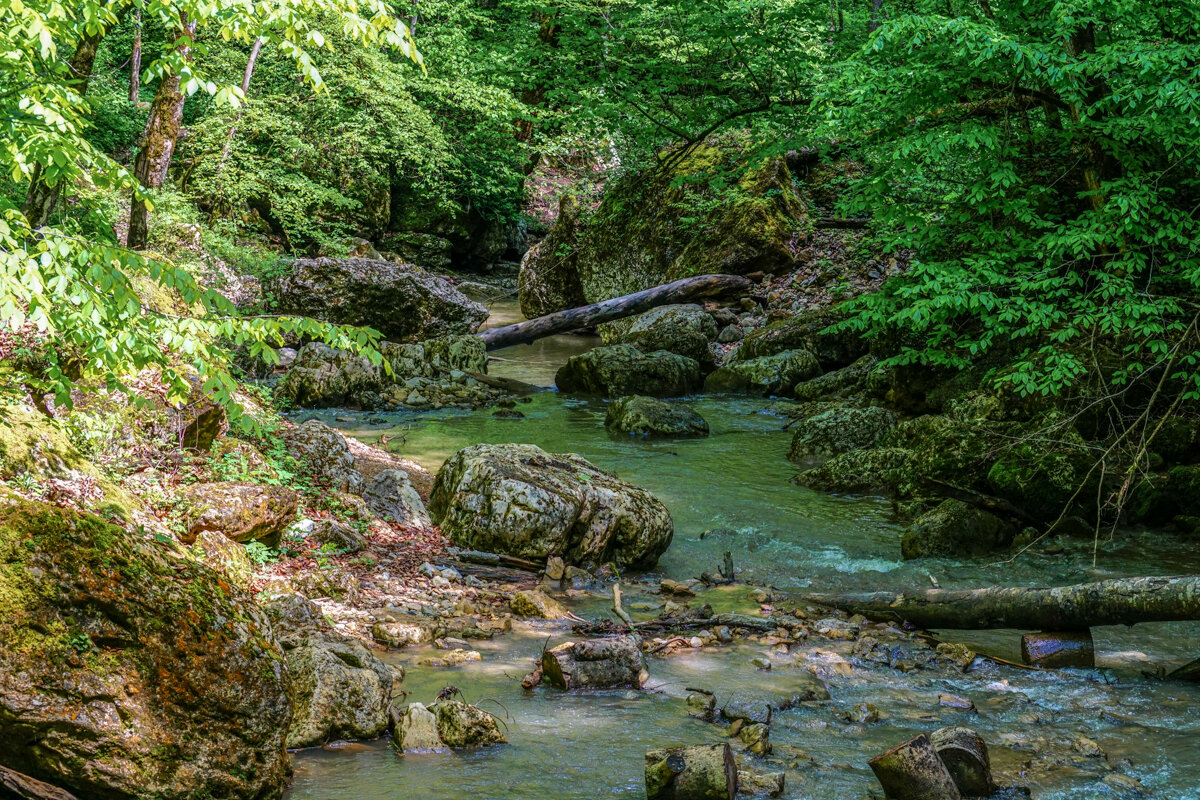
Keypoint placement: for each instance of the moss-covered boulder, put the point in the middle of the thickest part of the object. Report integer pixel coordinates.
(622, 369)
(869, 471)
(434, 372)
(401, 301)
(956, 530)
(683, 329)
(1043, 476)
(461, 724)
(340, 689)
(548, 280)
(520, 500)
(646, 230)
(808, 330)
(766, 375)
(537, 604)
(128, 670)
(243, 512)
(326, 454)
(839, 430)
(648, 416)
(225, 556)
(845, 382)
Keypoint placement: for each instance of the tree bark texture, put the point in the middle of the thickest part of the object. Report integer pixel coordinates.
(914, 771)
(135, 61)
(158, 140)
(685, 290)
(18, 786)
(965, 755)
(1122, 601)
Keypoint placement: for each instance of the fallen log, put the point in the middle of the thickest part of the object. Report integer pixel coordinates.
(697, 772)
(1061, 649)
(685, 290)
(914, 771)
(19, 786)
(965, 755)
(1122, 601)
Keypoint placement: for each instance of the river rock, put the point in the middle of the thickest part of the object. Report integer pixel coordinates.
(548, 281)
(767, 375)
(332, 532)
(693, 772)
(461, 724)
(867, 471)
(808, 330)
(401, 301)
(402, 630)
(520, 500)
(535, 603)
(326, 453)
(840, 429)
(340, 689)
(682, 329)
(137, 673)
(416, 731)
(843, 382)
(648, 416)
(956, 529)
(603, 663)
(243, 512)
(391, 495)
(622, 369)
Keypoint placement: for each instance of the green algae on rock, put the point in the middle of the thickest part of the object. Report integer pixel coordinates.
(130, 671)
(647, 416)
(623, 369)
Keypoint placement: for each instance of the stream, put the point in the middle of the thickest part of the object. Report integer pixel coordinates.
(732, 491)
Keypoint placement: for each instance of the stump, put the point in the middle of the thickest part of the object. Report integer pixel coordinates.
(695, 772)
(914, 771)
(965, 755)
(607, 663)
(1061, 649)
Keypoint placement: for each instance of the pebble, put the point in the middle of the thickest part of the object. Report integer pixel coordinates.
(696, 641)
(956, 701)
(761, 663)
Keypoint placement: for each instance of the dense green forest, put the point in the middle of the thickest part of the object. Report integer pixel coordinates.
(855, 297)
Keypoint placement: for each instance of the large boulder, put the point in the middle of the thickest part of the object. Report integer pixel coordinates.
(548, 281)
(391, 495)
(955, 529)
(340, 689)
(435, 372)
(682, 329)
(868, 471)
(520, 500)
(647, 416)
(622, 369)
(130, 671)
(326, 454)
(808, 330)
(839, 430)
(464, 725)
(644, 232)
(766, 375)
(400, 301)
(243, 512)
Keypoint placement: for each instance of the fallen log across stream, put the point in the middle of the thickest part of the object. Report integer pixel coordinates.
(685, 290)
(1121, 601)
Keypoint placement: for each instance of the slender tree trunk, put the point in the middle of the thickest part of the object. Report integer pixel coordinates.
(876, 18)
(1123, 601)
(249, 73)
(135, 60)
(158, 140)
(43, 195)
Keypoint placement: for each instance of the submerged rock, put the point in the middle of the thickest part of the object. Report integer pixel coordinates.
(243, 512)
(129, 671)
(956, 529)
(340, 689)
(768, 374)
(401, 301)
(839, 430)
(520, 500)
(647, 416)
(622, 369)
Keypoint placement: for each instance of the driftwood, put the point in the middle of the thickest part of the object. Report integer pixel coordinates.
(696, 772)
(1062, 649)
(914, 771)
(521, 578)
(596, 664)
(965, 755)
(496, 559)
(17, 786)
(1122, 601)
(685, 290)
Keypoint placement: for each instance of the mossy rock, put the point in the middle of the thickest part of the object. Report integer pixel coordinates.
(647, 416)
(682, 329)
(806, 331)
(1043, 479)
(870, 471)
(766, 375)
(840, 430)
(622, 369)
(139, 672)
(956, 530)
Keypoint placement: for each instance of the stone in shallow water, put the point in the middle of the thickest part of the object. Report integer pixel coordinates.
(416, 731)
(648, 416)
(839, 430)
(622, 369)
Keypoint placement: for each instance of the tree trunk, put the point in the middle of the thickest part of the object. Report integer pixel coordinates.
(685, 290)
(135, 61)
(42, 195)
(965, 755)
(697, 772)
(614, 662)
(1123, 601)
(876, 18)
(914, 771)
(158, 140)
(17, 786)
(249, 72)
(1064, 649)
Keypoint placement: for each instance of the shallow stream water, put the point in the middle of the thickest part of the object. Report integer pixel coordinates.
(732, 491)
